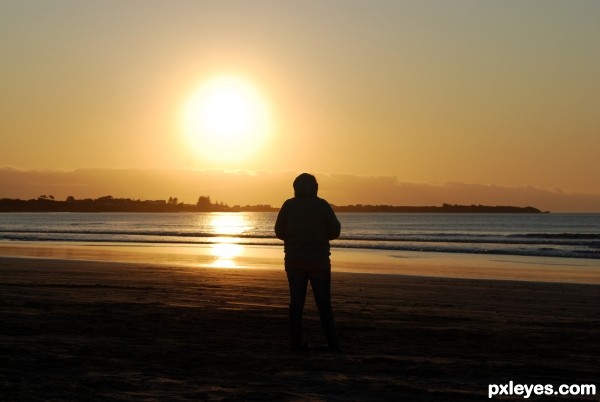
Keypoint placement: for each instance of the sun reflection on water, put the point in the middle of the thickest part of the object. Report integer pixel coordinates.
(229, 224)
(225, 255)
(225, 250)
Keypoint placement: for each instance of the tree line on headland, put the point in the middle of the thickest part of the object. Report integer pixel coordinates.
(108, 203)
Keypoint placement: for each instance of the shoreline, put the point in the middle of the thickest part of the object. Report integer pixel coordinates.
(230, 256)
(96, 331)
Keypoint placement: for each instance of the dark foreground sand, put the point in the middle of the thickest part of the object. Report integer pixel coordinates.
(83, 331)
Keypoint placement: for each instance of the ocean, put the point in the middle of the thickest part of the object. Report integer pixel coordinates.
(542, 235)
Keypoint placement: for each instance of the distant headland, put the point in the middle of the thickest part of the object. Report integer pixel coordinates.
(445, 208)
(204, 204)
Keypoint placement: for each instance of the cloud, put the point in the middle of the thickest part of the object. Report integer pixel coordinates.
(243, 188)
(187, 185)
(349, 189)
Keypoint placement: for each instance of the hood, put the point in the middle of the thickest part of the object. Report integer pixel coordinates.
(305, 185)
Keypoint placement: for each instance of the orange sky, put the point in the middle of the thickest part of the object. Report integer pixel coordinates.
(498, 94)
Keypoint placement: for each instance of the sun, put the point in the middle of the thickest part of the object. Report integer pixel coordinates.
(226, 119)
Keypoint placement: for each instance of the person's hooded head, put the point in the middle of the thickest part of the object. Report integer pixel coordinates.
(305, 185)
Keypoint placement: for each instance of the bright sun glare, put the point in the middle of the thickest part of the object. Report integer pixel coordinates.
(226, 119)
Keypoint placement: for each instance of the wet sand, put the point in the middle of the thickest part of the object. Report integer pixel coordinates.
(231, 255)
(73, 330)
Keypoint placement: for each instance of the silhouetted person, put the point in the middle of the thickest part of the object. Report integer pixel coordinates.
(306, 223)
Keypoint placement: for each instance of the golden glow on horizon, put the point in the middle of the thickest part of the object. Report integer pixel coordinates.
(226, 119)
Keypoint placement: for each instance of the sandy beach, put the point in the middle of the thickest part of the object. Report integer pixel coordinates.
(74, 330)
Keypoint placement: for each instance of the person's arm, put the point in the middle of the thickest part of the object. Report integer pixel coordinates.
(332, 223)
(280, 223)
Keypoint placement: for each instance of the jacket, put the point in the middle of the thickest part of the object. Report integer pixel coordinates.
(306, 224)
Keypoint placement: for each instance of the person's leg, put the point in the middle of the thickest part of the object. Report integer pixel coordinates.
(320, 281)
(298, 282)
